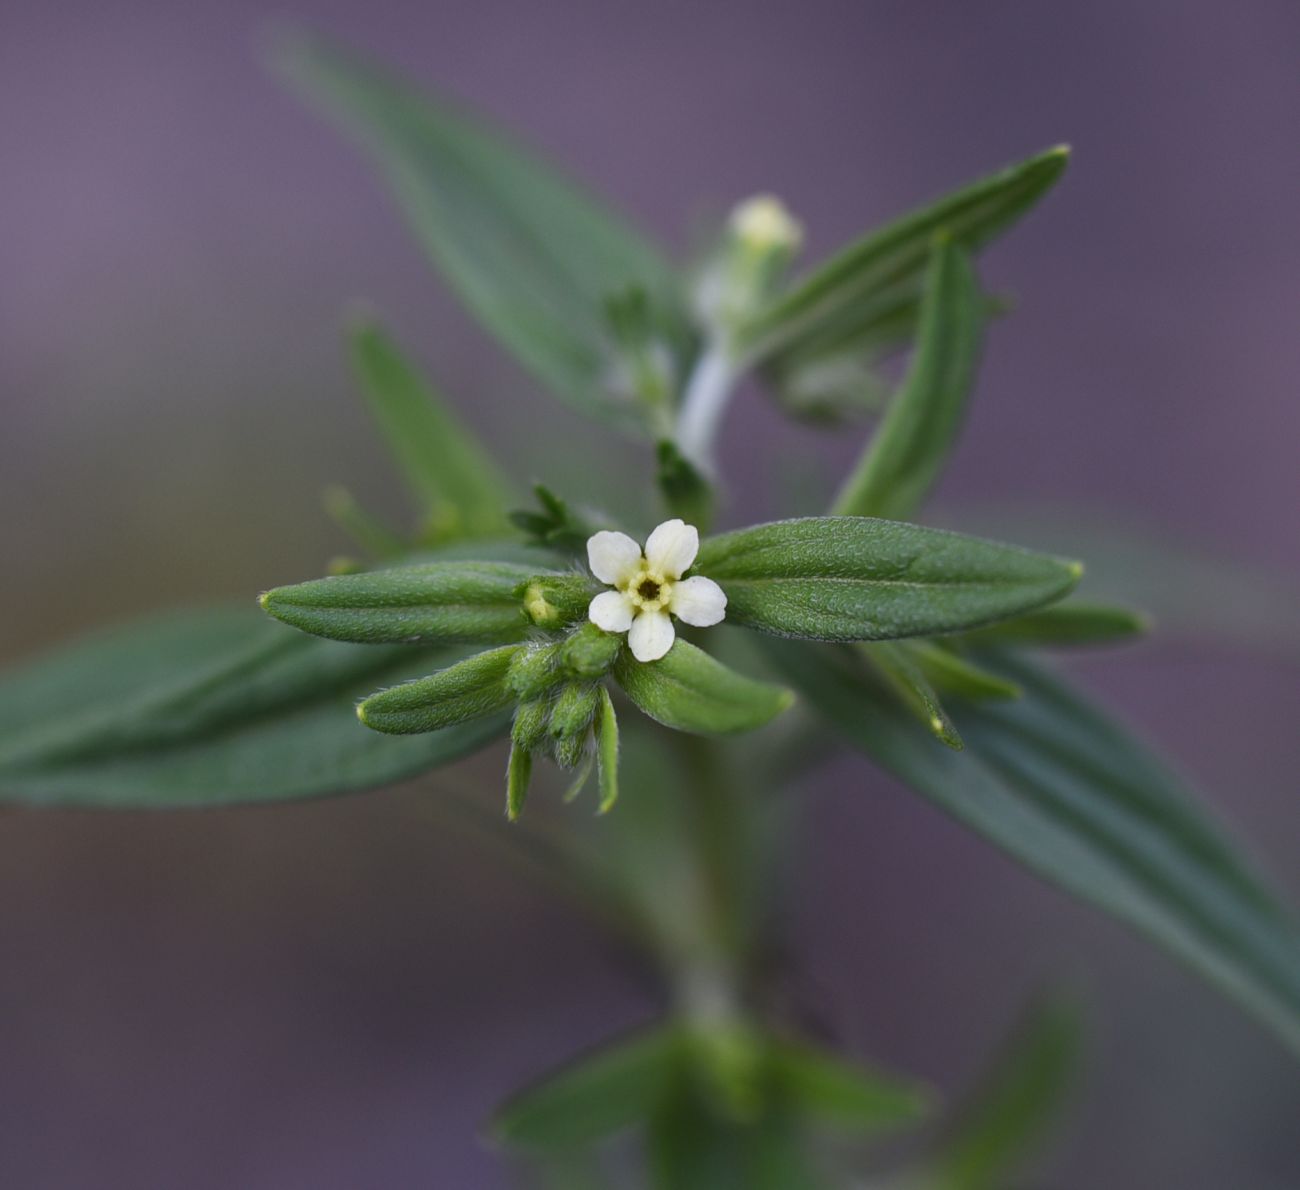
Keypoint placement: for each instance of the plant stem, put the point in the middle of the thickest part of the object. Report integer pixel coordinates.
(704, 401)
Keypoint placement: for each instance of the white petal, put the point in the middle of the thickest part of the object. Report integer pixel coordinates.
(698, 601)
(672, 547)
(612, 611)
(651, 636)
(613, 557)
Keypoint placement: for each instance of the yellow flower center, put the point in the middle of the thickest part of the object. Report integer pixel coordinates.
(649, 590)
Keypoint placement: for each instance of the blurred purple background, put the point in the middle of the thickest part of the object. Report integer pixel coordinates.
(335, 995)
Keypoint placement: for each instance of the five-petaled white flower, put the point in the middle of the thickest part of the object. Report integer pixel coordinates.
(648, 586)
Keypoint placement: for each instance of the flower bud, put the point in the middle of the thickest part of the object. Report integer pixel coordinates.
(534, 671)
(590, 651)
(573, 710)
(529, 728)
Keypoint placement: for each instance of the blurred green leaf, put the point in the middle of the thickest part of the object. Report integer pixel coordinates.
(871, 274)
(686, 492)
(600, 1093)
(857, 578)
(831, 1090)
(452, 477)
(1014, 1103)
(532, 256)
(430, 603)
(1064, 624)
(1063, 789)
(952, 673)
(907, 452)
(904, 676)
(208, 708)
(1187, 587)
(688, 690)
(470, 689)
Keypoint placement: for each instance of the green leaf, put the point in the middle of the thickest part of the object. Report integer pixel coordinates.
(872, 270)
(904, 676)
(1065, 624)
(530, 254)
(686, 492)
(909, 449)
(435, 602)
(607, 751)
(952, 673)
(451, 476)
(208, 708)
(470, 689)
(598, 1094)
(1187, 587)
(1054, 782)
(688, 690)
(831, 1090)
(1014, 1104)
(856, 578)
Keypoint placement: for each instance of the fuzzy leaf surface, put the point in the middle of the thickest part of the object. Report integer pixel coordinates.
(858, 578)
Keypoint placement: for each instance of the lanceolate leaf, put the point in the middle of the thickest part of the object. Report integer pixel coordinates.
(875, 267)
(448, 472)
(830, 1090)
(1064, 790)
(1065, 624)
(208, 708)
(857, 578)
(432, 603)
(530, 254)
(903, 675)
(911, 445)
(600, 1093)
(688, 690)
(1006, 1115)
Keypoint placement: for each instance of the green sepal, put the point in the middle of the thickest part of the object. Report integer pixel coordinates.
(453, 478)
(848, 290)
(580, 779)
(556, 600)
(531, 720)
(911, 445)
(573, 710)
(432, 603)
(607, 751)
(688, 690)
(590, 651)
(686, 492)
(535, 670)
(1065, 625)
(519, 773)
(475, 687)
(857, 578)
(904, 677)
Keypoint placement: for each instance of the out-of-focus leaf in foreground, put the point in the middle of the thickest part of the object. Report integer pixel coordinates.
(206, 708)
(1054, 782)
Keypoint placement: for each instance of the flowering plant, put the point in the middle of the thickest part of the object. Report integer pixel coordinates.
(553, 627)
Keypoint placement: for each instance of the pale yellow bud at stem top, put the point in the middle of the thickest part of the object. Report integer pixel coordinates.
(763, 223)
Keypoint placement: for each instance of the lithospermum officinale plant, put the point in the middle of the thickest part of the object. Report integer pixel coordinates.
(620, 652)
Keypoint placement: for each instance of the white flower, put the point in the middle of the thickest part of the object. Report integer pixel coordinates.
(647, 587)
